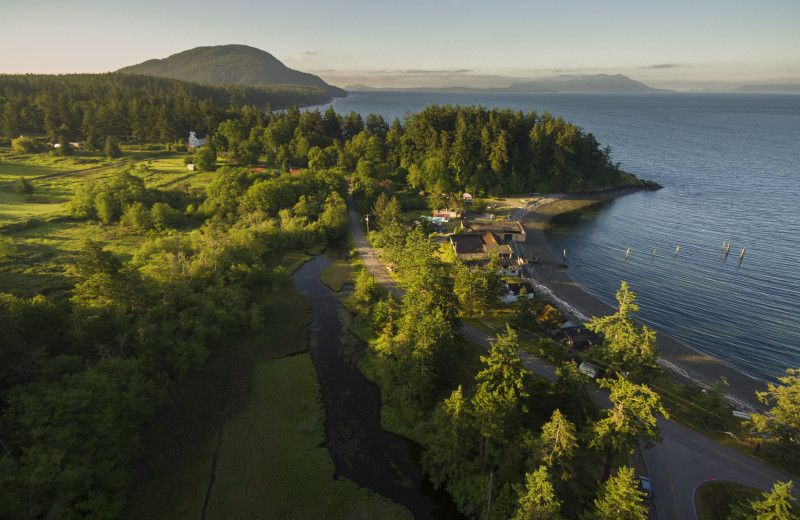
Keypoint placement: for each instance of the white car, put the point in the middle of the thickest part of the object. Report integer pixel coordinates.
(645, 488)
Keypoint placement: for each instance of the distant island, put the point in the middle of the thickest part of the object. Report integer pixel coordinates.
(583, 83)
(566, 83)
(228, 65)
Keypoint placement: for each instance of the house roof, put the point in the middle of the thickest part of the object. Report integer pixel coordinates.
(516, 287)
(199, 135)
(467, 243)
(491, 242)
(503, 227)
(577, 337)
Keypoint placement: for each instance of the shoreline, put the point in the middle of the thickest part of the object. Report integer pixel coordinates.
(676, 357)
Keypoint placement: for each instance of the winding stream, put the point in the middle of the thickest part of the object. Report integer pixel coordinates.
(362, 451)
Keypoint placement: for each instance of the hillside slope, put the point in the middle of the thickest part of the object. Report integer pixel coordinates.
(229, 64)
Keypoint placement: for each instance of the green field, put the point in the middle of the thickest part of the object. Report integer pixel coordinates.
(15, 206)
(12, 166)
(51, 194)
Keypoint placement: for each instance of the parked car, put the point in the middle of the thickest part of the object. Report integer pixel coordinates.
(645, 488)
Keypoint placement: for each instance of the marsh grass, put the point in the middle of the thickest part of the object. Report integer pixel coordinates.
(338, 274)
(267, 437)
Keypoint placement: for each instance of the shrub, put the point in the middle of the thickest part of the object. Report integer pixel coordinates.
(137, 215)
(205, 159)
(25, 145)
(23, 186)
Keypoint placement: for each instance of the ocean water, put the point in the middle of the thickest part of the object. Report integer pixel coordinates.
(730, 167)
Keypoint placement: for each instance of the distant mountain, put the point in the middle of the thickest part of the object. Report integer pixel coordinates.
(781, 87)
(358, 87)
(582, 83)
(227, 65)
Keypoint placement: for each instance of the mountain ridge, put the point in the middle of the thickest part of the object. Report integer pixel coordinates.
(229, 64)
(566, 83)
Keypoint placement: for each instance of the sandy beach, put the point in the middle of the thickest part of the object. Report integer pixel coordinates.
(685, 362)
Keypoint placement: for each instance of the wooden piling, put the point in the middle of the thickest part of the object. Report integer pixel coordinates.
(676, 250)
(723, 246)
(742, 255)
(627, 253)
(565, 256)
(654, 253)
(728, 250)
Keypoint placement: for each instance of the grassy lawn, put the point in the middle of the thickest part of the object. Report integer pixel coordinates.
(14, 206)
(12, 166)
(268, 452)
(714, 501)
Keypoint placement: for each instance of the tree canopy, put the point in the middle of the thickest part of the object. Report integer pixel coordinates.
(784, 414)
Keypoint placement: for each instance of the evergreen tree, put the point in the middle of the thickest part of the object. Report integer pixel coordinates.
(538, 501)
(386, 211)
(558, 444)
(775, 505)
(64, 148)
(630, 421)
(784, 415)
(627, 347)
(501, 395)
(620, 499)
(111, 148)
(523, 317)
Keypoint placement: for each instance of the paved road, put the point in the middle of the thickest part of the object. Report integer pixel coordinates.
(681, 463)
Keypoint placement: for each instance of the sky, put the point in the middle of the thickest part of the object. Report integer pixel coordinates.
(677, 44)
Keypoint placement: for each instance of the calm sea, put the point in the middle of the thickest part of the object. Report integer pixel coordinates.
(730, 167)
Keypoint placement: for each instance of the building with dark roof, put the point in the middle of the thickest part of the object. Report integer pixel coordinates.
(507, 230)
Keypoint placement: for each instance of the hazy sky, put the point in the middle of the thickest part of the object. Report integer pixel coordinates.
(406, 42)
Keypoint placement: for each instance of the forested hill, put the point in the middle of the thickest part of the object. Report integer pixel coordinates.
(228, 65)
(126, 107)
(582, 83)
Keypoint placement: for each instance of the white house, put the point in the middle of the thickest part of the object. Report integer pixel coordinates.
(196, 140)
(513, 289)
